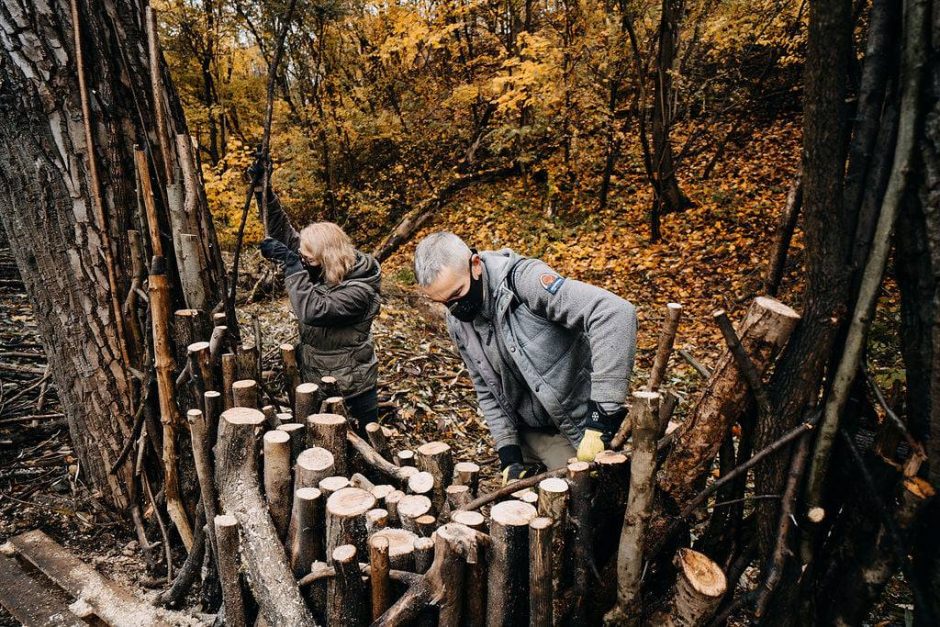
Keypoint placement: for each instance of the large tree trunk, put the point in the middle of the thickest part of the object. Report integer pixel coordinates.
(52, 201)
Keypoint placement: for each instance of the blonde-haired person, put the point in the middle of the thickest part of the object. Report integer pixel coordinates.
(334, 290)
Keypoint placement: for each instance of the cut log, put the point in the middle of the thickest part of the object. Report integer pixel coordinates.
(401, 547)
(202, 460)
(526, 496)
(376, 461)
(405, 458)
(381, 491)
(474, 520)
(667, 338)
(271, 580)
(277, 478)
(358, 480)
(442, 585)
(392, 499)
(540, 572)
(245, 393)
(580, 541)
(229, 375)
(334, 405)
(644, 413)
(31, 601)
(424, 554)
(270, 416)
(553, 500)
(291, 372)
(331, 485)
(247, 360)
(379, 440)
(457, 496)
(376, 520)
(425, 525)
(507, 587)
(226, 533)
(421, 483)
(329, 431)
(329, 387)
(305, 532)
(346, 518)
(313, 465)
(298, 439)
(285, 418)
(409, 508)
(468, 474)
(436, 458)
(347, 600)
(305, 401)
(763, 332)
(378, 575)
(699, 590)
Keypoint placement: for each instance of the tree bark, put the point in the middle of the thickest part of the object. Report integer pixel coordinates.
(47, 198)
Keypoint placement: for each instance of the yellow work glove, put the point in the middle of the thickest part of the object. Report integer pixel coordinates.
(591, 444)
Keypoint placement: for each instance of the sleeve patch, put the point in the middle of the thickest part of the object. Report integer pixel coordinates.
(551, 282)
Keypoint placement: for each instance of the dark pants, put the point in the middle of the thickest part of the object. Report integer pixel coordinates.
(363, 407)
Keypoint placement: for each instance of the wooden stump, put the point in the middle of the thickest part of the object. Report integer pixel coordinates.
(329, 431)
(378, 438)
(581, 539)
(334, 405)
(468, 474)
(347, 596)
(313, 465)
(507, 588)
(376, 520)
(457, 496)
(245, 393)
(401, 547)
(329, 387)
(411, 507)
(421, 483)
(540, 572)
(331, 485)
(392, 499)
(473, 519)
(305, 532)
(229, 375)
(298, 439)
(699, 590)
(291, 372)
(644, 413)
(247, 359)
(425, 525)
(277, 478)
(381, 491)
(226, 533)
(553, 500)
(305, 401)
(436, 458)
(346, 518)
(271, 580)
(405, 458)
(378, 575)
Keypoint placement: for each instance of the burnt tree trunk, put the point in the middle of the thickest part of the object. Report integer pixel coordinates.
(73, 214)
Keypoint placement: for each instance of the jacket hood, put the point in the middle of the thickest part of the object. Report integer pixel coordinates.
(498, 264)
(367, 270)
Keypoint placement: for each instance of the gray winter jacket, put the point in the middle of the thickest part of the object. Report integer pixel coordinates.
(570, 341)
(335, 320)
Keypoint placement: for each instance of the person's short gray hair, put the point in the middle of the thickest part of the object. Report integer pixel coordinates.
(438, 251)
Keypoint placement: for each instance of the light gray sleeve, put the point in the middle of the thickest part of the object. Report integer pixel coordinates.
(608, 321)
(502, 428)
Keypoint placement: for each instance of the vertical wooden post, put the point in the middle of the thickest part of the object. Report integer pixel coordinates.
(313, 465)
(305, 401)
(226, 533)
(347, 602)
(346, 518)
(229, 376)
(468, 474)
(540, 572)
(329, 431)
(305, 532)
(507, 588)
(245, 393)
(277, 478)
(379, 562)
(376, 434)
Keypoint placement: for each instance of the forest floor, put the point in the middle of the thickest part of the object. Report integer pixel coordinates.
(712, 257)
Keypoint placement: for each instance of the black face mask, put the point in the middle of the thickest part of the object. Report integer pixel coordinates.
(314, 272)
(469, 305)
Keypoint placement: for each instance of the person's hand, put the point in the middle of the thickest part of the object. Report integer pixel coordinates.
(517, 471)
(255, 172)
(277, 251)
(599, 428)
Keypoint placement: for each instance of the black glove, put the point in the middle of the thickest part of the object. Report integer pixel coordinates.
(607, 423)
(277, 251)
(256, 171)
(515, 472)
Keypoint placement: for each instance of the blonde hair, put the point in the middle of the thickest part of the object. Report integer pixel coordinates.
(327, 244)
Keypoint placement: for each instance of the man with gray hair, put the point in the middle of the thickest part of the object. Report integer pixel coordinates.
(550, 357)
